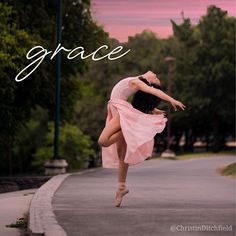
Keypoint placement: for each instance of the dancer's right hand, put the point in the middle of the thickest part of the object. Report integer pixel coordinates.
(176, 103)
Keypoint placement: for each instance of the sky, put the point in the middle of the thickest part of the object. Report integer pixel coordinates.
(122, 18)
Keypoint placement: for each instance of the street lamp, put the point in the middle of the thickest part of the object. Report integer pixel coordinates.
(57, 81)
(168, 152)
(57, 166)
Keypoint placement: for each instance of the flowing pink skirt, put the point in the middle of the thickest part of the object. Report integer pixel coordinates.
(138, 130)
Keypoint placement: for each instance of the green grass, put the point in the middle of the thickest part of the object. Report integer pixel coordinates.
(20, 223)
(229, 170)
(198, 155)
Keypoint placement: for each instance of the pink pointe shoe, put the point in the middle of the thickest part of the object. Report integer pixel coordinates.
(120, 193)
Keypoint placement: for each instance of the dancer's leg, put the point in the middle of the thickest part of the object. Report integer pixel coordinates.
(123, 167)
(122, 172)
(111, 133)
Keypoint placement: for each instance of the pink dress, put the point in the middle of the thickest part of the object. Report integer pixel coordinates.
(137, 127)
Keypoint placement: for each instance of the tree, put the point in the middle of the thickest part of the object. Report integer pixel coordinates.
(15, 100)
(78, 29)
(204, 77)
(217, 67)
(24, 25)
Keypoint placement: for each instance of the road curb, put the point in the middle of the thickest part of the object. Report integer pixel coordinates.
(42, 220)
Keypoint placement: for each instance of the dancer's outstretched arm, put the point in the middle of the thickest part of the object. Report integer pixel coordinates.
(140, 85)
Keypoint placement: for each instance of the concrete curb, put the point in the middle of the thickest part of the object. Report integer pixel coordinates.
(42, 220)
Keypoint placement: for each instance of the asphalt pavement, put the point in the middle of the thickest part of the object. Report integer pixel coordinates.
(166, 198)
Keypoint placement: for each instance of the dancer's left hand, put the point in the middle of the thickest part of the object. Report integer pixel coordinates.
(176, 103)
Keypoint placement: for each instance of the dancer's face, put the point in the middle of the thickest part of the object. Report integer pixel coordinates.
(153, 78)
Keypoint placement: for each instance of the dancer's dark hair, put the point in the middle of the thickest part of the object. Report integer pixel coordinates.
(145, 102)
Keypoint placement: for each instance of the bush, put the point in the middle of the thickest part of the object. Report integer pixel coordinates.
(74, 146)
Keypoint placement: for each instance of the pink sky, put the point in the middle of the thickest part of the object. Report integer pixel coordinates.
(126, 18)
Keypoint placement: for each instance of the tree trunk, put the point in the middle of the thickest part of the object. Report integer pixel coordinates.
(186, 140)
(9, 158)
(192, 140)
(207, 142)
(216, 139)
(177, 140)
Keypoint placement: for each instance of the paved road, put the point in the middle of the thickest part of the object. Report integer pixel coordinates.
(163, 194)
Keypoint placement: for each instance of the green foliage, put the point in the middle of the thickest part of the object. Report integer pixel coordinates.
(15, 100)
(24, 25)
(204, 75)
(89, 110)
(14, 43)
(230, 169)
(30, 136)
(78, 29)
(217, 65)
(74, 146)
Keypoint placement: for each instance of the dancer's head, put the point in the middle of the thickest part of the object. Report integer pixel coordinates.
(151, 77)
(146, 102)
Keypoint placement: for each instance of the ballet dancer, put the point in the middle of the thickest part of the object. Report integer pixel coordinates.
(128, 136)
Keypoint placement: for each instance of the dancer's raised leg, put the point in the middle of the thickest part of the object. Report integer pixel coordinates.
(111, 133)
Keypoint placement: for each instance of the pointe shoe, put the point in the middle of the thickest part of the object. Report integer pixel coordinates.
(119, 196)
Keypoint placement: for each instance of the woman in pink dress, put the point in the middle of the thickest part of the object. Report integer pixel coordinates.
(128, 137)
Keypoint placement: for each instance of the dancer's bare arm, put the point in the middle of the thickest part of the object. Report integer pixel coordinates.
(138, 84)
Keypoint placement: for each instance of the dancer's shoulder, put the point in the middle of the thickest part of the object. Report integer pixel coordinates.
(132, 81)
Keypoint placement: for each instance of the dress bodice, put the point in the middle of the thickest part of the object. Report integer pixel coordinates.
(122, 89)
